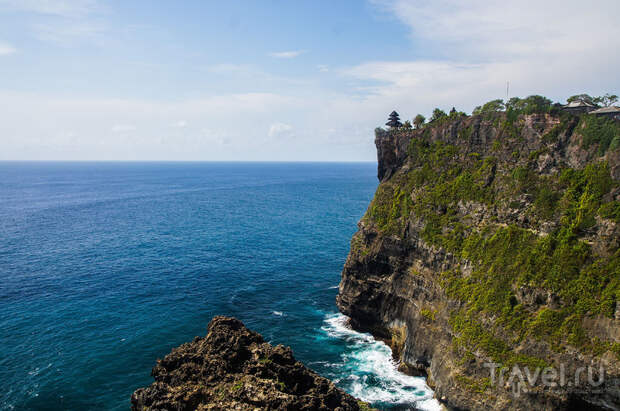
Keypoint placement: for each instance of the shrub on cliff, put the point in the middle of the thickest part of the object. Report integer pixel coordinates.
(599, 130)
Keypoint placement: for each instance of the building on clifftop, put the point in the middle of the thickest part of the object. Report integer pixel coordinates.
(609, 112)
(394, 120)
(579, 107)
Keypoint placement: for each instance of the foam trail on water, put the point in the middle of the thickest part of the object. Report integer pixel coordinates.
(369, 372)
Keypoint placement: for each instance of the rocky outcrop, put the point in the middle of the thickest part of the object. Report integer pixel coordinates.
(491, 247)
(233, 368)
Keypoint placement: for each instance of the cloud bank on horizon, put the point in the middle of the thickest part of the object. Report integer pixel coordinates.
(91, 80)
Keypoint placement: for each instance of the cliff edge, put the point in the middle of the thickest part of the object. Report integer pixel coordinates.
(489, 259)
(233, 368)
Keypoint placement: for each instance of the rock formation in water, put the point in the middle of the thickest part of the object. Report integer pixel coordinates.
(233, 368)
(489, 258)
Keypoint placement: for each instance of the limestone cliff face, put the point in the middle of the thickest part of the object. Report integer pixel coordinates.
(493, 239)
(233, 368)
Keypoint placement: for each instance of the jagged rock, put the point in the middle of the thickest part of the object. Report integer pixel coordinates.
(233, 368)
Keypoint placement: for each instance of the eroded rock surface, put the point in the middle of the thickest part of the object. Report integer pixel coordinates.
(233, 368)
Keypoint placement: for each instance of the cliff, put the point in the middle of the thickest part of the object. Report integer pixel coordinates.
(233, 368)
(489, 259)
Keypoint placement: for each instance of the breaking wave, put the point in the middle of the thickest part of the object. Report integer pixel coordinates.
(368, 371)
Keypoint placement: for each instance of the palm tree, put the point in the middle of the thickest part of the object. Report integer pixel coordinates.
(419, 120)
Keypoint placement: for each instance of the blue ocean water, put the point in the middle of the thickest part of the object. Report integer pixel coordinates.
(104, 267)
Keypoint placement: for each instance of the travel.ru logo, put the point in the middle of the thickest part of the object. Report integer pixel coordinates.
(523, 379)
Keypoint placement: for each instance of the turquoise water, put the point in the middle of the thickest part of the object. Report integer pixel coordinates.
(105, 267)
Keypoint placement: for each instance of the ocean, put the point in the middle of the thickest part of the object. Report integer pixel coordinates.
(105, 267)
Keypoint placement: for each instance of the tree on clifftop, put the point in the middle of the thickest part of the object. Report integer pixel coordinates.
(493, 106)
(394, 120)
(419, 120)
(607, 100)
(586, 98)
(437, 115)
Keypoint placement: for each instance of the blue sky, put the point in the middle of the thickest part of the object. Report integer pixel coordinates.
(276, 80)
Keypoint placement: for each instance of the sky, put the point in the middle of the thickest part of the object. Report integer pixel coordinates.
(277, 80)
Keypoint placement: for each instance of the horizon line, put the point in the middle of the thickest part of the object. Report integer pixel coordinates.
(188, 161)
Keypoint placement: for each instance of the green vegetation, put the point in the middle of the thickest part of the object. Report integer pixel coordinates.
(479, 385)
(438, 114)
(473, 335)
(586, 98)
(552, 135)
(357, 245)
(419, 120)
(514, 107)
(455, 114)
(611, 211)
(606, 100)
(428, 314)
(530, 105)
(364, 406)
(508, 116)
(389, 205)
(493, 106)
(507, 258)
(598, 130)
(546, 201)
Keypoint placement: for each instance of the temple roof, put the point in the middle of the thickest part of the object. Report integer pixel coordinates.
(606, 110)
(579, 103)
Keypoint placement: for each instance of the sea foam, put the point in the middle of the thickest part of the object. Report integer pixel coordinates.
(369, 372)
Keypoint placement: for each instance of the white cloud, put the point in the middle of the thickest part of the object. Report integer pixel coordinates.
(556, 48)
(65, 33)
(323, 68)
(61, 22)
(6, 49)
(181, 124)
(287, 54)
(66, 8)
(219, 127)
(490, 30)
(278, 129)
